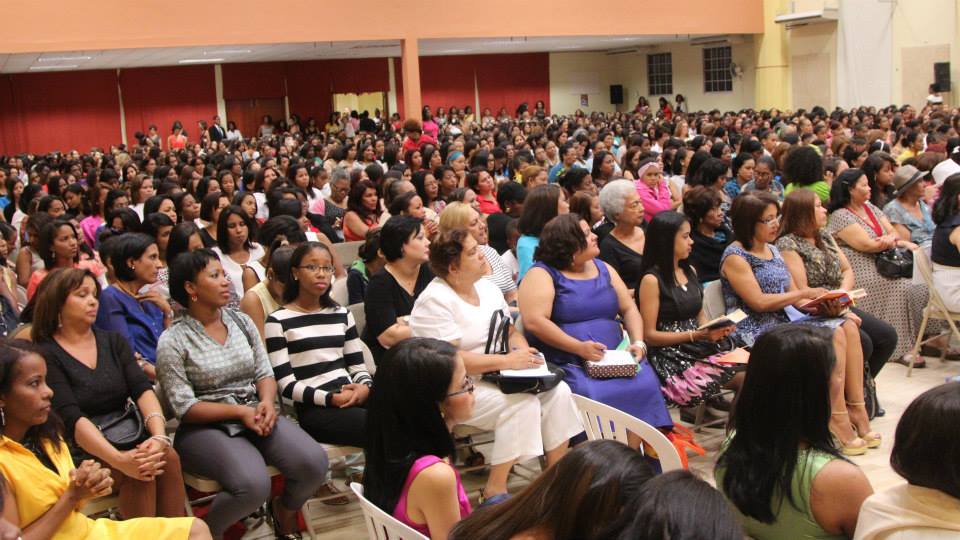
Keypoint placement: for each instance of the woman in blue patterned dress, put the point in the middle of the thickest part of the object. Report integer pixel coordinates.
(756, 280)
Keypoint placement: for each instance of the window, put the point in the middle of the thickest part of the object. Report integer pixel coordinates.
(659, 74)
(716, 70)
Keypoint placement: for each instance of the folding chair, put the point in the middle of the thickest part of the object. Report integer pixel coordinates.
(604, 422)
(936, 309)
(338, 291)
(347, 251)
(381, 525)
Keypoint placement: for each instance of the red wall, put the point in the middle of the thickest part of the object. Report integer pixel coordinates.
(161, 95)
(46, 111)
(41, 112)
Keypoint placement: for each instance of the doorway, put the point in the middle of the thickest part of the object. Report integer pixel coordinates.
(249, 113)
(368, 101)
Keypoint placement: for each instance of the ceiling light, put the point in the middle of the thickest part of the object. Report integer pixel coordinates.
(46, 68)
(228, 51)
(63, 58)
(200, 60)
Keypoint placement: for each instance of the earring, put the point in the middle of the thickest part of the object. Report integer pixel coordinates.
(3, 419)
(59, 321)
(193, 298)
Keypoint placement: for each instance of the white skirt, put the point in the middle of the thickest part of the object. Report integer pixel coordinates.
(946, 279)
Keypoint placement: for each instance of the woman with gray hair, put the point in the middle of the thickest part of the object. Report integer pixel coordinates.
(623, 247)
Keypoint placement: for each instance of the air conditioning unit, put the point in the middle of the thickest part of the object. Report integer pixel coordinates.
(716, 41)
(803, 18)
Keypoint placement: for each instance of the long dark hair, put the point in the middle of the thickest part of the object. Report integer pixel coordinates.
(773, 419)
(658, 251)
(946, 205)
(404, 420)
(11, 351)
(291, 288)
(575, 499)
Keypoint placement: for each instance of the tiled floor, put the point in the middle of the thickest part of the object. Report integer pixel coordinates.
(896, 391)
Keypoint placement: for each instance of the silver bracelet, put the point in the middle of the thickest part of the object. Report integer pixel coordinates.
(154, 415)
(163, 439)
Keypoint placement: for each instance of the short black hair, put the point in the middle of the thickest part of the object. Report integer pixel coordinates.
(511, 192)
(560, 240)
(283, 225)
(698, 202)
(840, 189)
(184, 268)
(126, 247)
(180, 239)
(129, 218)
(925, 453)
(396, 232)
(153, 222)
(209, 204)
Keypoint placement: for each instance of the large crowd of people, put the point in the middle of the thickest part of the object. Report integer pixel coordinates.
(192, 278)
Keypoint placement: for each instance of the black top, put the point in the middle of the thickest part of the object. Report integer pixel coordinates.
(386, 301)
(208, 241)
(497, 227)
(602, 229)
(81, 392)
(356, 286)
(677, 304)
(707, 251)
(623, 259)
(943, 252)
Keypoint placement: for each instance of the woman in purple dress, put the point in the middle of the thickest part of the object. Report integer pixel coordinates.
(570, 301)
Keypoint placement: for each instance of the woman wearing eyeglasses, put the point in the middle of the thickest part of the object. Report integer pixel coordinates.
(316, 354)
(756, 279)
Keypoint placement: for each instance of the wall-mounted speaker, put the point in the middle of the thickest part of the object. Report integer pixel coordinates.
(941, 76)
(616, 94)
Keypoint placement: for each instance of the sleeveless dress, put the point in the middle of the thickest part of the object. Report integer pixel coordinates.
(774, 278)
(688, 372)
(587, 310)
(400, 512)
(36, 489)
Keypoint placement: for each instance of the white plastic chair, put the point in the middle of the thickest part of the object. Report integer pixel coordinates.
(936, 309)
(359, 316)
(604, 422)
(713, 305)
(338, 292)
(381, 525)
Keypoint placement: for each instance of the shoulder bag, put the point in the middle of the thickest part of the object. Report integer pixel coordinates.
(498, 342)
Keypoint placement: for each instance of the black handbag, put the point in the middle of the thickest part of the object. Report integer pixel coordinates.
(124, 428)
(498, 342)
(895, 263)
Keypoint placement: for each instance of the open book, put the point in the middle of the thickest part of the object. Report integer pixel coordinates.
(844, 297)
(539, 370)
(736, 356)
(616, 358)
(724, 320)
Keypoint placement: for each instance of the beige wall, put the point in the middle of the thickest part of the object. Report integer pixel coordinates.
(572, 74)
(813, 65)
(923, 31)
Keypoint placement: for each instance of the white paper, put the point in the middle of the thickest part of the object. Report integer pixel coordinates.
(614, 357)
(539, 371)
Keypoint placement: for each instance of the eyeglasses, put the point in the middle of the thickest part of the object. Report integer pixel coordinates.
(317, 268)
(468, 389)
(770, 220)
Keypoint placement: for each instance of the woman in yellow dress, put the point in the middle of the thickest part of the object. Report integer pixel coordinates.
(44, 491)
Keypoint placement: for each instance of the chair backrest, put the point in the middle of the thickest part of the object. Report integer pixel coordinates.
(359, 316)
(338, 292)
(713, 305)
(347, 251)
(381, 525)
(368, 359)
(604, 422)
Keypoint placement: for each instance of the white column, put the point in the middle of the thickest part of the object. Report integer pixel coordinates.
(392, 93)
(218, 84)
(123, 116)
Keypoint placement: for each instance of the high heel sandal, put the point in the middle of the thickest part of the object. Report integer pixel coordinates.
(872, 438)
(856, 447)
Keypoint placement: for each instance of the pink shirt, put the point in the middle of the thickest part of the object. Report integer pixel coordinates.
(400, 512)
(653, 200)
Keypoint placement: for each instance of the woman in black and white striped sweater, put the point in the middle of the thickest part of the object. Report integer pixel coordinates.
(316, 352)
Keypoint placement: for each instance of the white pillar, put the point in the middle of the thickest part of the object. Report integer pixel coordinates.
(218, 84)
(392, 93)
(123, 116)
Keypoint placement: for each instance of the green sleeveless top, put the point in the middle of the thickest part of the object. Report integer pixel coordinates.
(791, 523)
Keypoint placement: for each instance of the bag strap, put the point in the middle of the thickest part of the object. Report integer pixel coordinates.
(498, 333)
(239, 322)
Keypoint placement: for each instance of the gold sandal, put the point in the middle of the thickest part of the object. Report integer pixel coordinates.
(856, 447)
(872, 438)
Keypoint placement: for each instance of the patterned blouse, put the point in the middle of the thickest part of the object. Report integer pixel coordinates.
(921, 230)
(822, 265)
(193, 367)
